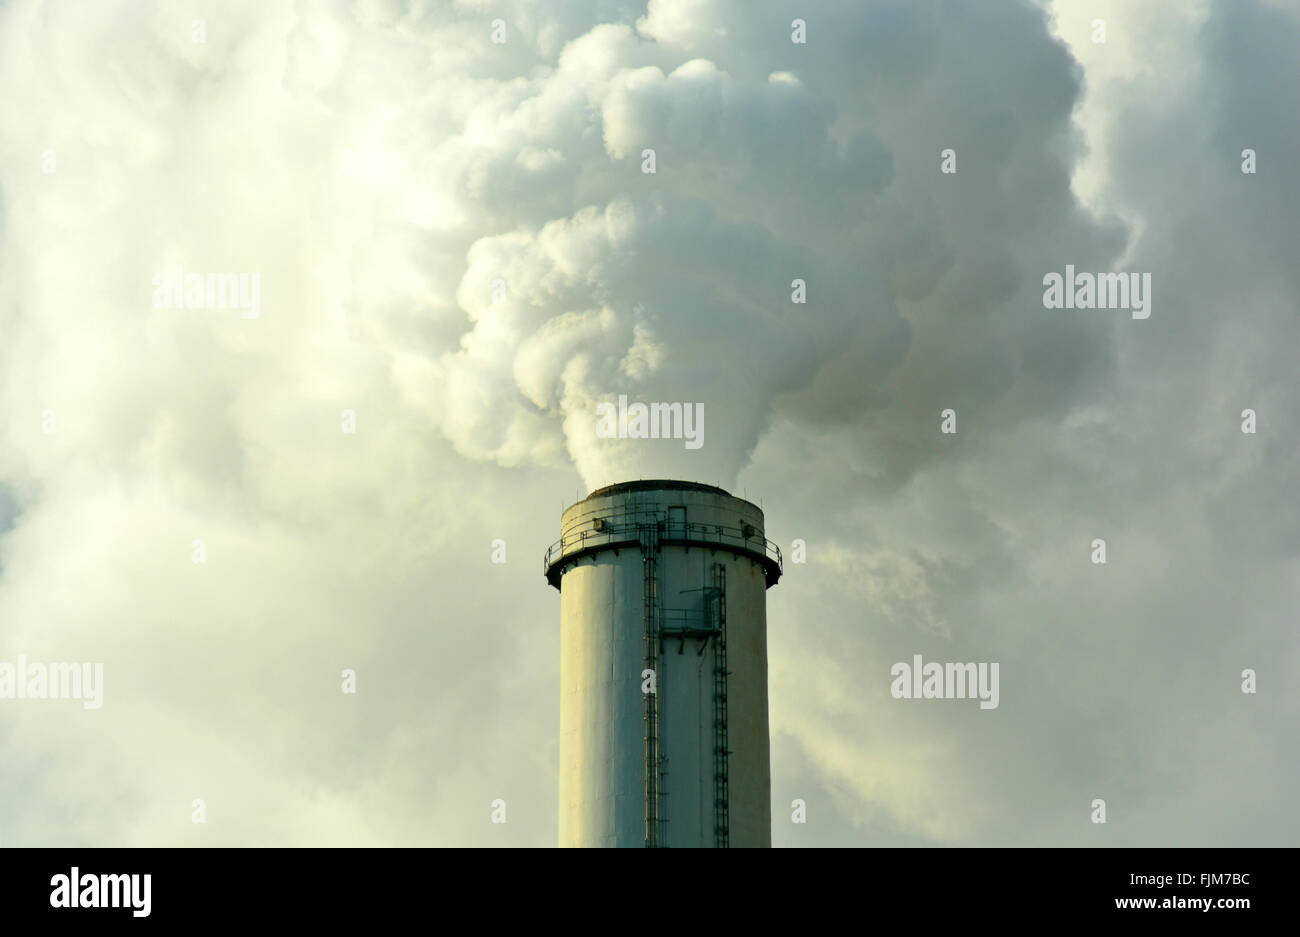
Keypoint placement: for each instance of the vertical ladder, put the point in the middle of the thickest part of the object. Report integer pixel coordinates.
(721, 787)
(650, 701)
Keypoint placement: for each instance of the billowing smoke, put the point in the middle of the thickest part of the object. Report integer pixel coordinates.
(794, 240)
(479, 218)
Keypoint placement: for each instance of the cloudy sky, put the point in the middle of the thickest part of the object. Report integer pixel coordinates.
(460, 255)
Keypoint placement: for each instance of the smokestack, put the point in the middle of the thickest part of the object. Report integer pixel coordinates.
(663, 667)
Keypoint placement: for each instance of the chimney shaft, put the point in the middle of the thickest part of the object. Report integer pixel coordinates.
(663, 712)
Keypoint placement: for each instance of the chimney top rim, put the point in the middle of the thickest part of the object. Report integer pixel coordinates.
(657, 484)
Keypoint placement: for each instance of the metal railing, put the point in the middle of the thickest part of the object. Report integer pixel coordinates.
(602, 532)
